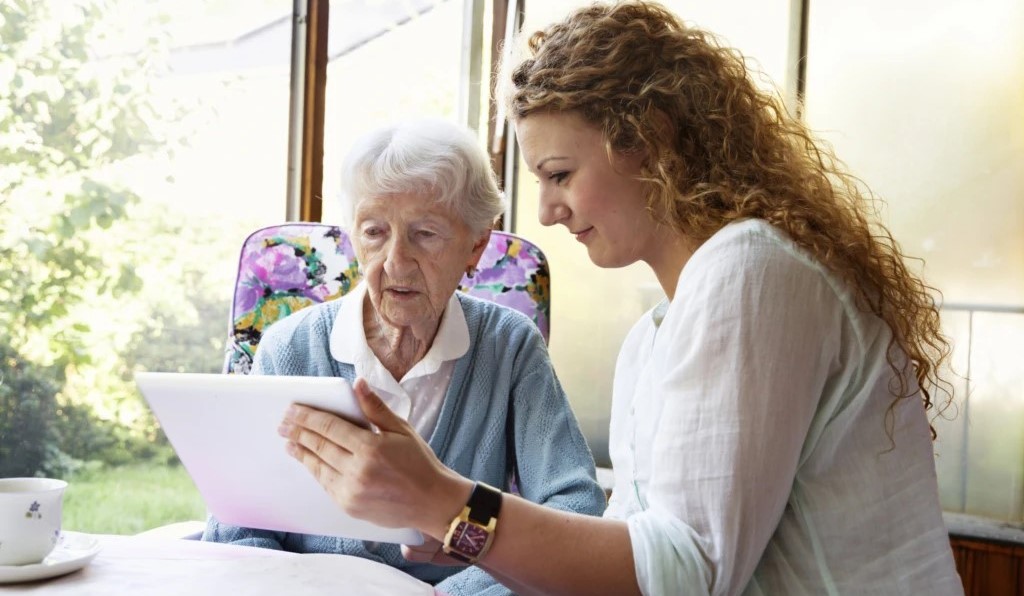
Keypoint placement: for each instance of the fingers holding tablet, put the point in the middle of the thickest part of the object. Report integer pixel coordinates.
(367, 473)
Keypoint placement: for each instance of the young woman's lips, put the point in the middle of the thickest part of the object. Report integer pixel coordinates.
(583, 235)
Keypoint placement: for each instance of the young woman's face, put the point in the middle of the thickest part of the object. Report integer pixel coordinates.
(598, 200)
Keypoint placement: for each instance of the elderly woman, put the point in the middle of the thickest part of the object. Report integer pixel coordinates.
(471, 377)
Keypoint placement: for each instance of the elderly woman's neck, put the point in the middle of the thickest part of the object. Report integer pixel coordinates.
(398, 348)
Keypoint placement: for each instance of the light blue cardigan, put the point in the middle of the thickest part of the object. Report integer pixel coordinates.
(507, 361)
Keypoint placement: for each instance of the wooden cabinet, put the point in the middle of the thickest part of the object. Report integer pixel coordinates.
(989, 568)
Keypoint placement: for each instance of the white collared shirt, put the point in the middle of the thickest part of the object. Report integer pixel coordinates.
(418, 396)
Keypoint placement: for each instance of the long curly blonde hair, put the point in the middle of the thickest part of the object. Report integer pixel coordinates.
(719, 149)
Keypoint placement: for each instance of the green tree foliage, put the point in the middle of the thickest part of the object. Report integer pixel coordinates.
(64, 116)
(72, 106)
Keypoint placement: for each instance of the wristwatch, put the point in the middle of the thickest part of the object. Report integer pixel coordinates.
(472, 531)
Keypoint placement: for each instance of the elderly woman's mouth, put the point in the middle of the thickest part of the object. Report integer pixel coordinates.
(402, 292)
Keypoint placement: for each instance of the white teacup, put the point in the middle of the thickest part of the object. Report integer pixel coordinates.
(30, 514)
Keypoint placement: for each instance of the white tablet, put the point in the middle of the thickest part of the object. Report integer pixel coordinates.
(224, 430)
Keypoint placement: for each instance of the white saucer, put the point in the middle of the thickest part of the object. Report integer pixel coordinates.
(73, 552)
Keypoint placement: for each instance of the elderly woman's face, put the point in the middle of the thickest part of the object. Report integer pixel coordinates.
(413, 252)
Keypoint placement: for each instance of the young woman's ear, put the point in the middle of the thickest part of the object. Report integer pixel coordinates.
(660, 143)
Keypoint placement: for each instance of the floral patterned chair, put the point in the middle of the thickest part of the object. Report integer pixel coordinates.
(287, 267)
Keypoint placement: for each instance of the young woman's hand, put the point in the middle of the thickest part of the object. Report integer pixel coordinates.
(388, 476)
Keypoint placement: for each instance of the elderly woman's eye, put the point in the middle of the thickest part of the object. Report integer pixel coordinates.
(425, 234)
(372, 232)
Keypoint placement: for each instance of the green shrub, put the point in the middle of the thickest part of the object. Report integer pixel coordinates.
(41, 437)
(28, 436)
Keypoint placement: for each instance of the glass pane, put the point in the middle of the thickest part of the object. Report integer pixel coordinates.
(593, 309)
(389, 60)
(140, 142)
(995, 429)
(938, 90)
(950, 423)
(925, 102)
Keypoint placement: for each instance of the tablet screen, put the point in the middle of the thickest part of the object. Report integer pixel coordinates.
(224, 430)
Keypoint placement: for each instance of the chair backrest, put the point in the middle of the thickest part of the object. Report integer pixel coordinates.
(287, 267)
(514, 272)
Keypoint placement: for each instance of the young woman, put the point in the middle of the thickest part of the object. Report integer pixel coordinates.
(769, 431)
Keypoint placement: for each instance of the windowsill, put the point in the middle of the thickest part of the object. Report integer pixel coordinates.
(962, 525)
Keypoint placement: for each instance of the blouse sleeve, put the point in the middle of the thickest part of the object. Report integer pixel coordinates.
(740, 364)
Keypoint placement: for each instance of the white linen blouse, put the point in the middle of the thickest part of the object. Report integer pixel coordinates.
(749, 436)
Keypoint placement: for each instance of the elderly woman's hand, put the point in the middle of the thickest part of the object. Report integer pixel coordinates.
(430, 552)
(390, 477)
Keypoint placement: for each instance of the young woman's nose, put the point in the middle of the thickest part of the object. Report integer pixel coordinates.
(551, 210)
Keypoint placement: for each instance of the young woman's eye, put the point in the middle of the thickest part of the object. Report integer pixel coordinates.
(558, 177)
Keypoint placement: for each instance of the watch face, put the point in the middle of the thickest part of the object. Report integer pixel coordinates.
(469, 539)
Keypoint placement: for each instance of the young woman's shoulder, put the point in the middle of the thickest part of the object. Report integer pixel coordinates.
(756, 269)
(755, 241)
(755, 250)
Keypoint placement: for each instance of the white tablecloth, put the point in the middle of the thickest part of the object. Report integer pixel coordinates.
(144, 565)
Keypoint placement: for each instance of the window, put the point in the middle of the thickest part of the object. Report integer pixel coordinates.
(140, 143)
(924, 102)
(408, 67)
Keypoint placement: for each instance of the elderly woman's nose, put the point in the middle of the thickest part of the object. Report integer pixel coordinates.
(399, 256)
